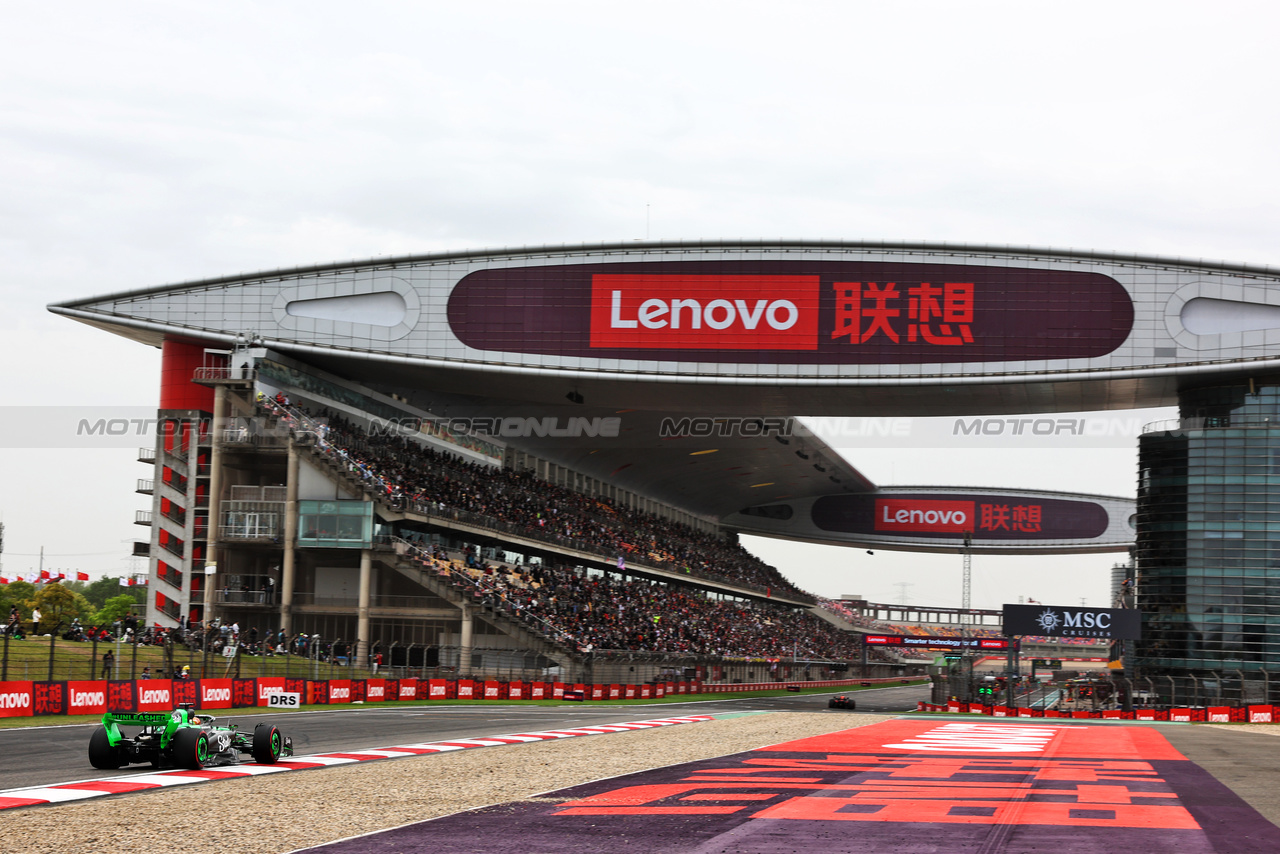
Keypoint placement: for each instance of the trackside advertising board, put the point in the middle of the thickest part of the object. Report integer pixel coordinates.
(937, 643)
(15, 699)
(86, 698)
(155, 695)
(215, 694)
(1064, 621)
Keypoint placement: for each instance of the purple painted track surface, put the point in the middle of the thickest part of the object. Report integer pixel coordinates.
(900, 786)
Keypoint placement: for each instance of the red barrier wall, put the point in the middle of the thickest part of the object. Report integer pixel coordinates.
(214, 693)
(155, 695)
(90, 698)
(17, 699)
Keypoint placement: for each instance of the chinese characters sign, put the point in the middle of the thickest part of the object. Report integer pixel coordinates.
(936, 314)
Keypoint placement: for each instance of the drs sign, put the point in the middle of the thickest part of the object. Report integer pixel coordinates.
(283, 700)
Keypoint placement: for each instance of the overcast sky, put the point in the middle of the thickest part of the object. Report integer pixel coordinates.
(150, 143)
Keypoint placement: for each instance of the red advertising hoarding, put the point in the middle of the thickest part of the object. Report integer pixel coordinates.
(155, 695)
(16, 699)
(90, 698)
(215, 694)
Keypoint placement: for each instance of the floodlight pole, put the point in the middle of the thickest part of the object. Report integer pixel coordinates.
(968, 577)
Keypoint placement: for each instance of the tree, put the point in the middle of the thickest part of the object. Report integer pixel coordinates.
(115, 608)
(20, 593)
(104, 589)
(60, 605)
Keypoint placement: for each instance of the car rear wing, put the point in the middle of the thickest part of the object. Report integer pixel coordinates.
(137, 718)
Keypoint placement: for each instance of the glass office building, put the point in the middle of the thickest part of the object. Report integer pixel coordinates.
(1208, 546)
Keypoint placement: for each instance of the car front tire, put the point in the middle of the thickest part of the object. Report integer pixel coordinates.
(267, 742)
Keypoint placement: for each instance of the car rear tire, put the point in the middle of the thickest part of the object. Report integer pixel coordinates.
(101, 754)
(831, 704)
(190, 748)
(267, 743)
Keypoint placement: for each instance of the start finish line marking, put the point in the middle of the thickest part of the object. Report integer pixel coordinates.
(85, 789)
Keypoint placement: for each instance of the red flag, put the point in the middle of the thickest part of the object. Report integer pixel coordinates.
(82, 576)
(61, 576)
(3, 580)
(44, 575)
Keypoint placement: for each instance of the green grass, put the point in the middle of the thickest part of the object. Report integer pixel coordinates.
(227, 714)
(28, 659)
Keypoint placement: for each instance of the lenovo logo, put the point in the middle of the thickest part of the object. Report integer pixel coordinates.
(15, 701)
(213, 695)
(704, 312)
(154, 697)
(336, 693)
(87, 698)
(917, 515)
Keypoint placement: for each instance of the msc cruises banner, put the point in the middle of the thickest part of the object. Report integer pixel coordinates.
(1060, 621)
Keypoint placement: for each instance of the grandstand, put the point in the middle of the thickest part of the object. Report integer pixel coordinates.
(479, 568)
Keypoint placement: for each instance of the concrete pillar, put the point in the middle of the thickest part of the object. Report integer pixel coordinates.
(290, 543)
(215, 489)
(362, 616)
(464, 651)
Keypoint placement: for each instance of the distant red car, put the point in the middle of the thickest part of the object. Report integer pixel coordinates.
(841, 701)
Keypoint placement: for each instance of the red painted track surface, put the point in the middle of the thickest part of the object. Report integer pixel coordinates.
(905, 786)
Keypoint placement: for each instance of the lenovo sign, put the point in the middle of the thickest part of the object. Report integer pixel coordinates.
(797, 311)
(215, 693)
(1068, 622)
(155, 695)
(987, 516)
(15, 699)
(918, 515)
(86, 698)
(705, 312)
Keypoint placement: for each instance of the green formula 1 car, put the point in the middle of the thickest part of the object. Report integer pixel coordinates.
(183, 739)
